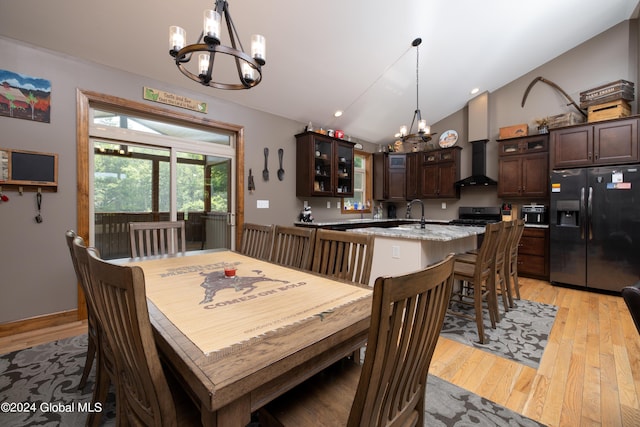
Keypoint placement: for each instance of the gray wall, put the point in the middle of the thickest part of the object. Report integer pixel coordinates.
(35, 270)
(36, 276)
(610, 56)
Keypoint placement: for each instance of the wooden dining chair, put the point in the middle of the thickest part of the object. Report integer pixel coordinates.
(511, 260)
(293, 246)
(157, 238)
(500, 263)
(477, 282)
(143, 395)
(92, 332)
(389, 389)
(343, 255)
(257, 240)
(105, 365)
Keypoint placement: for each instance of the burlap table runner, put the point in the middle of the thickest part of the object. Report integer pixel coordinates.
(194, 294)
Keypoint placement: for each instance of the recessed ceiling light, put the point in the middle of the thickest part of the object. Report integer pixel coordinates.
(337, 113)
(475, 90)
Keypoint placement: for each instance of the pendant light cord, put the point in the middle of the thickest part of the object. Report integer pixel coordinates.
(417, 78)
(375, 81)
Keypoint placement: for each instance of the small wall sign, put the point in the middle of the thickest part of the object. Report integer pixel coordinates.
(168, 98)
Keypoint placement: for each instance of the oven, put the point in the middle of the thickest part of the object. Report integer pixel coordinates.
(477, 216)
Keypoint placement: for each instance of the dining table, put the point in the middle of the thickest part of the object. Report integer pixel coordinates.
(237, 331)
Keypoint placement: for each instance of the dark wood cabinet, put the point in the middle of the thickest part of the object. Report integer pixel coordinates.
(324, 166)
(597, 144)
(380, 171)
(412, 174)
(397, 183)
(523, 167)
(533, 253)
(389, 176)
(417, 175)
(440, 171)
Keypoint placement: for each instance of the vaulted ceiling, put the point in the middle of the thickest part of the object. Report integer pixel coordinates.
(323, 56)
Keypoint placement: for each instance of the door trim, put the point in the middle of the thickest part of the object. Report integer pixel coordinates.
(85, 100)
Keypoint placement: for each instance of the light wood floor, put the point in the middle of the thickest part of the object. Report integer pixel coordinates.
(589, 374)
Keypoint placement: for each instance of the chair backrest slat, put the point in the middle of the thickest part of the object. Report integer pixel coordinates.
(515, 240)
(503, 240)
(343, 255)
(157, 238)
(293, 246)
(406, 318)
(257, 240)
(486, 254)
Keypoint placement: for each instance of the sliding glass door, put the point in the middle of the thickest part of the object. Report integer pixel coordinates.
(144, 170)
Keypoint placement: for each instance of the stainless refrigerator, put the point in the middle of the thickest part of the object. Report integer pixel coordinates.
(595, 227)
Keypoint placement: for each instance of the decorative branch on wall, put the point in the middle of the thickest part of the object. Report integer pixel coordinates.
(555, 86)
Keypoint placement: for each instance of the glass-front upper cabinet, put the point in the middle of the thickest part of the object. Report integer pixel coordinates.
(344, 172)
(324, 166)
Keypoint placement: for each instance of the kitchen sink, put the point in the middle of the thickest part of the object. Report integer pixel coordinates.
(406, 227)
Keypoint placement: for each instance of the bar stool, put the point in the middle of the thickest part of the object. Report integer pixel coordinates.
(480, 278)
(511, 260)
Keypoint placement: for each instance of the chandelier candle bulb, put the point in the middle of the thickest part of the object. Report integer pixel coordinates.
(247, 72)
(258, 48)
(203, 63)
(212, 25)
(403, 130)
(177, 37)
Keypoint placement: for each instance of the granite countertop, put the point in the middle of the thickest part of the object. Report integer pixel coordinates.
(434, 232)
(346, 221)
(364, 221)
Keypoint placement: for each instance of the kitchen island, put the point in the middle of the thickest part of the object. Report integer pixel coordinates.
(349, 224)
(407, 248)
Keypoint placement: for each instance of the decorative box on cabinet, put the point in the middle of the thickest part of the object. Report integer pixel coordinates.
(523, 167)
(440, 171)
(324, 166)
(597, 144)
(533, 253)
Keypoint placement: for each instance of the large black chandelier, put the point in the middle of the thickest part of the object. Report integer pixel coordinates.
(209, 47)
(424, 132)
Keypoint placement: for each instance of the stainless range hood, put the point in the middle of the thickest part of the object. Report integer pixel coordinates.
(479, 135)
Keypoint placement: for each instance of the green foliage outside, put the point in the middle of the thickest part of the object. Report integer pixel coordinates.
(124, 184)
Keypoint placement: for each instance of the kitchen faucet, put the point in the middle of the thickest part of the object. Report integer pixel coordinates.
(408, 214)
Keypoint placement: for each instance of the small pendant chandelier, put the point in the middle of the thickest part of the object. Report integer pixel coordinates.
(424, 132)
(249, 68)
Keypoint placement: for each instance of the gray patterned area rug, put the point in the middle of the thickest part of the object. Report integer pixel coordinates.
(521, 334)
(46, 378)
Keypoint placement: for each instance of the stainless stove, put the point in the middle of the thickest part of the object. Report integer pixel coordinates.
(477, 216)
